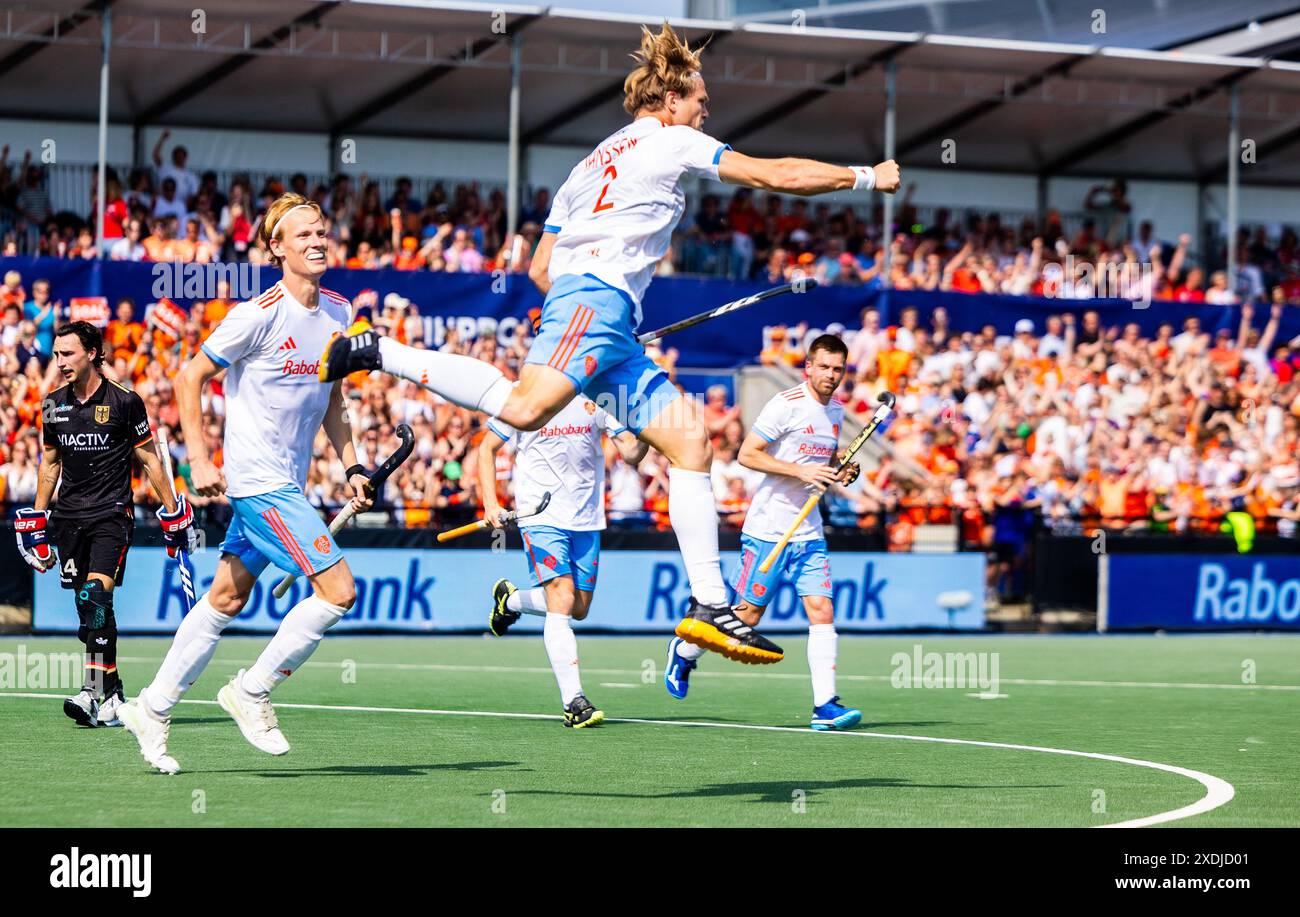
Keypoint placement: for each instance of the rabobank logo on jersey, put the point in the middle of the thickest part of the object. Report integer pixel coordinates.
(1200, 592)
(294, 367)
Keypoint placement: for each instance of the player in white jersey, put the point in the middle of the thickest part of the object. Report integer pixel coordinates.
(274, 406)
(610, 224)
(793, 443)
(565, 459)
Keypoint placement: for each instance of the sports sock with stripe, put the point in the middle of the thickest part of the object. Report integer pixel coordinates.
(823, 644)
(299, 634)
(690, 650)
(528, 601)
(694, 517)
(562, 650)
(466, 381)
(191, 650)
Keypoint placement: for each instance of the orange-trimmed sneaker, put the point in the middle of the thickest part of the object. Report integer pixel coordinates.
(716, 628)
(354, 351)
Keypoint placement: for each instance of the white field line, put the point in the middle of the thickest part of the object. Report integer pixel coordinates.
(703, 673)
(1218, 792)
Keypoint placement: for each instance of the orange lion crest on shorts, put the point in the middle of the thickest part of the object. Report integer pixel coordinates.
(322, 544)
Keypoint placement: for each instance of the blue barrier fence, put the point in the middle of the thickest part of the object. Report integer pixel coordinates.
(477, 301)
(1199, 592)
(447, 590)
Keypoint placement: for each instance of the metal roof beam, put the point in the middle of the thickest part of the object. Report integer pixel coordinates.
(952, 124)
(404, 90)
(1264, 148)
(591, 100)
(1132, 127)
(782, 110)
(206, 80)
(22, 54)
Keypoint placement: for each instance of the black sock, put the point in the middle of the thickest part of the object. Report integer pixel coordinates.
(101, 661)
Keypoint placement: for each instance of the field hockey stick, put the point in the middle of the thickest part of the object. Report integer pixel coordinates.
(376, 481)
(797, 286)
(510, 519)
(887, 405)
(183, 563)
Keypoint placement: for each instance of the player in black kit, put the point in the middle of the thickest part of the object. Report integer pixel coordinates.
(92, 427)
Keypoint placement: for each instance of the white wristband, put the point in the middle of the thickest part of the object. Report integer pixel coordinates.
(864, 178)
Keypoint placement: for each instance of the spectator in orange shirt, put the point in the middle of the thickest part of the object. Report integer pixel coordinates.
(160, 244)
(124, 333)
(12, 289)
(891, 361)
(364, 259)
(717, 415)
(215, 309)
(408, 256)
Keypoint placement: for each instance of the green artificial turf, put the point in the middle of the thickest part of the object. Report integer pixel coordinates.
(519, 767)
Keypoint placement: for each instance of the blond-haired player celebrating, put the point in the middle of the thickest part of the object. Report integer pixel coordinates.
(274, 406)
(793, 443)
(609, 225)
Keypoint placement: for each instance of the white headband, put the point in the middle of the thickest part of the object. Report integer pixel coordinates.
(276, 224)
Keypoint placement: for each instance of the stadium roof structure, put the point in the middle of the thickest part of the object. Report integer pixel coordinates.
(526, 75)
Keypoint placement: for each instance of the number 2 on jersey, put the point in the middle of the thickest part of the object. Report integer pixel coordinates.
(613, 174)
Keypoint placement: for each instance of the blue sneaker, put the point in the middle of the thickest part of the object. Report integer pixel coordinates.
(678, 672)
(834, 715)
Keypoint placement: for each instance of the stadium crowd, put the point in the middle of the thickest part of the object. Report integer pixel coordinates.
(172, 213)
(439, 480)
(1068, 423)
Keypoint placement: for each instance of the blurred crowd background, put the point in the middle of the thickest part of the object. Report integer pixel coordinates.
(1067, 424)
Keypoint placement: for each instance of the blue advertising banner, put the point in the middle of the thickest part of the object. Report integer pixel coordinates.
(417, 591)
(472, 303)
(1199, 592)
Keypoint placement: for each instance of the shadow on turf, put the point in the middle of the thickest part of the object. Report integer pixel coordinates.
(779, 791)
(370, 770)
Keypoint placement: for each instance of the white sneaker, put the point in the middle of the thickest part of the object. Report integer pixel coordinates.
(150, 730)
(82, 707)
(109, 708)
(254, 715)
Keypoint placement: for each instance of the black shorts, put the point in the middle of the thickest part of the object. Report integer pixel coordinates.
(88, 546)
(1006, 552)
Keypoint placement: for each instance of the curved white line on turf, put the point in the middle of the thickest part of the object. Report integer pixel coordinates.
(1218, 791)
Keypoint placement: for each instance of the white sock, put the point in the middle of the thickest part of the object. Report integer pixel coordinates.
(823, 643)
(562, 650)
(187, 657)
(694, 516)
(690, 650)
(529, 601)
(299, 634)
(465, 381)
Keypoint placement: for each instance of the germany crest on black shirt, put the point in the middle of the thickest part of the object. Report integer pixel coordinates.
(95, 440)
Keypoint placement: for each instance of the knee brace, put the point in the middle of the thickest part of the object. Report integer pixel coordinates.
(94, 608)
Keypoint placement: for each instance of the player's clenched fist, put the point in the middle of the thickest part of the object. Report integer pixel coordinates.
(207, 478)
(29, 526)
(887, 176)
(363, 498)
(178, 527)
(818, 475)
